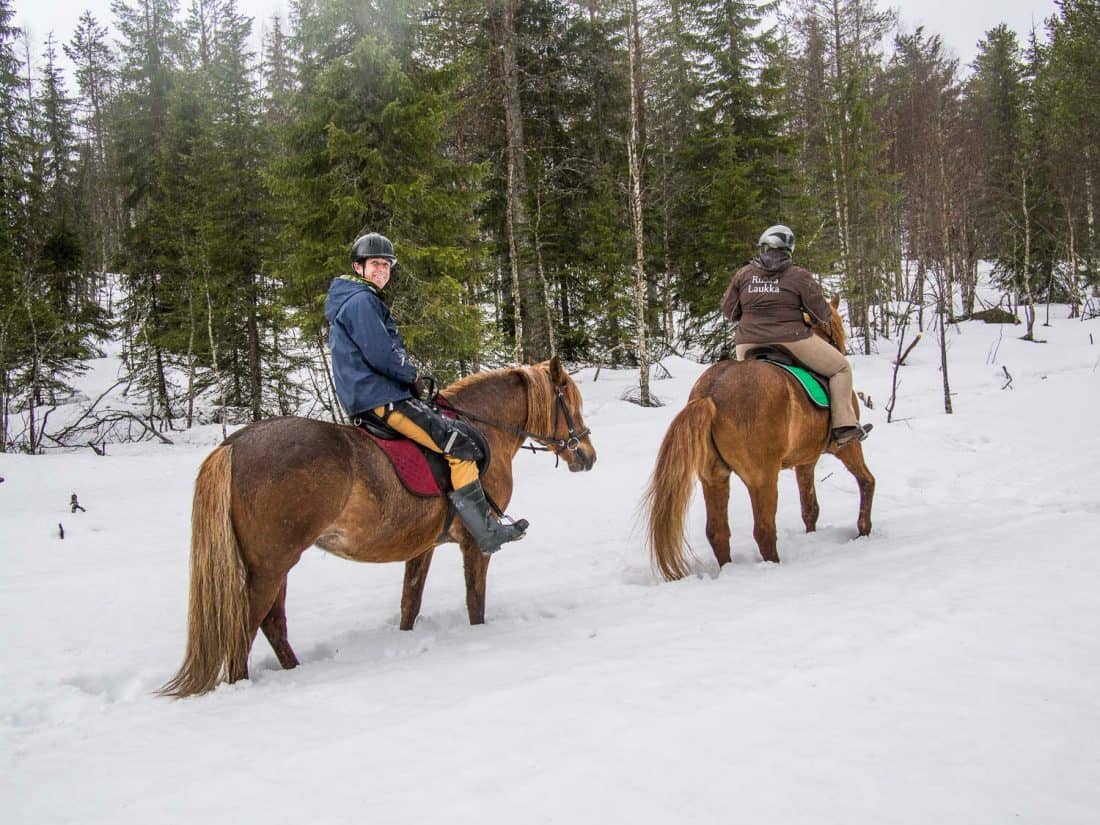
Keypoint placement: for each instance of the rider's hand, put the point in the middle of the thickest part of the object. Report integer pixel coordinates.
(421, 387)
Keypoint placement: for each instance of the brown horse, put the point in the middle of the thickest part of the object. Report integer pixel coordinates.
(276, 487)
(752, 419)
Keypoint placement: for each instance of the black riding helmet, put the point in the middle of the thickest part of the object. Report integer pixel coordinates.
(372, 245)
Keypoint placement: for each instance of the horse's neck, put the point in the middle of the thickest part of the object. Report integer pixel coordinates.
(831, 335)
(499, 398)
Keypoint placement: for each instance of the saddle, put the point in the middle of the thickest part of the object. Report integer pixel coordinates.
(815, 385)
(423, 472)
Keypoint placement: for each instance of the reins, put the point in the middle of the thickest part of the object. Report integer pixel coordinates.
(572, 443)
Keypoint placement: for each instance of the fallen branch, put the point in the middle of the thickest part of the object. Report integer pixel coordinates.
(75, 426)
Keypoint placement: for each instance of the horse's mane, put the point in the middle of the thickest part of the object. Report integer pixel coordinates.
(540, 393)
(834, 330)
(540, 398)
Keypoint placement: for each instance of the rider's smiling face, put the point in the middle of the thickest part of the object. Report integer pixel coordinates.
(375, 270)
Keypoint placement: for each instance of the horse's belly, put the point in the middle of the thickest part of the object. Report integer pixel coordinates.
(370, 546)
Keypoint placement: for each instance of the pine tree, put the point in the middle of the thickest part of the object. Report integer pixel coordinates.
(151, 142)
(1068, 85)
(367, 151)
(94, 66)
(13, 158)
(844, 148)
(732, 156)
(228, 201)
(1012, 192)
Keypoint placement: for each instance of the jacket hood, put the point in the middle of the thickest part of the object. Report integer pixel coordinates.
(339, 291)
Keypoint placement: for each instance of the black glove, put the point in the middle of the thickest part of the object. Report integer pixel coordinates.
(423, 388)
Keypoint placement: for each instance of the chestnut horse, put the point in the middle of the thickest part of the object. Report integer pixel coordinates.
(276, 487)
(753, 419)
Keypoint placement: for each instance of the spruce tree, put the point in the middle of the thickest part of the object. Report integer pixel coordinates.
(13, 159)
(839, 81)
(1068, 85)
(94, 67)
(999, 96)
(731, 157)
(151, 143)
(367, 151)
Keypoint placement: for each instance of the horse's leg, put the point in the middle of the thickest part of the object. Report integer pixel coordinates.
(807, 495)
(476, 565)
(716, 494)
(851, 455)
(416, 573)
(764, 493)
(264, 588)
(274, 628)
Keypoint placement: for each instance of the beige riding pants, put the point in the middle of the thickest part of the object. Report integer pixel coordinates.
(462, 472)
(822, 357)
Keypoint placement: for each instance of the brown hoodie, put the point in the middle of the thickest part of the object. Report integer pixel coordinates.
(769, 304)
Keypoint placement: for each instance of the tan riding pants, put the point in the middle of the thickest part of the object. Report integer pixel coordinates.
(462, 472)
(822, 357)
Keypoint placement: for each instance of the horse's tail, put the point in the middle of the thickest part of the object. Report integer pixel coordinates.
(217, 615)
(686, 447)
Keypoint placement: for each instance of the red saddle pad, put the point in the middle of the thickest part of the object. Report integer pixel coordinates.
(410, 464)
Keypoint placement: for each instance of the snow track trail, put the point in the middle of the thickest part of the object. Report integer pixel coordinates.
(942, 670)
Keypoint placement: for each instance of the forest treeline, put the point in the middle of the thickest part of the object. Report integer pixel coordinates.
(558, 176)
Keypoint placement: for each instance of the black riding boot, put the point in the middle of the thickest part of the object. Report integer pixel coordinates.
(845, 435)
(487, 530)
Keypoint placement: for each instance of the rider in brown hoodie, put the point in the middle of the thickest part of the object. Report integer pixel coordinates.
(768, 296)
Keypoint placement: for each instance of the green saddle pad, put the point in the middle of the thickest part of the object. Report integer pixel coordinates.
(817, 391)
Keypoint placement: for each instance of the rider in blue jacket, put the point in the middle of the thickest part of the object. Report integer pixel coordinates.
(374, 378)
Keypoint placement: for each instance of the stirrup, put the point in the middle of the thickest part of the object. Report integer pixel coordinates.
(846, 435)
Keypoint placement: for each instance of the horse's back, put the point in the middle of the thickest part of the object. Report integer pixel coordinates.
(763, 415)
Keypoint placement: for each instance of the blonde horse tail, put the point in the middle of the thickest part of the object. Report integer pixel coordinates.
(684, 451)
(217, 616)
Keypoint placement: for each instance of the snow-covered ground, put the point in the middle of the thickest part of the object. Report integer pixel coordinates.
(944, 670)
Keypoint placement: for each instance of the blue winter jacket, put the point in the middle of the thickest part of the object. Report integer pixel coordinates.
(369, 362)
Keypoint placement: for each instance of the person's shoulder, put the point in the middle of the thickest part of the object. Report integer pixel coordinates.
(360, 293)
(746, 269)
(799, 272)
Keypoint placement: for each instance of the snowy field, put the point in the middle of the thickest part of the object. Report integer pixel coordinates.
(943, 671)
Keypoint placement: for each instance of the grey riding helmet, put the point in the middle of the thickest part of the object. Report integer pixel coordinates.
(777, 237)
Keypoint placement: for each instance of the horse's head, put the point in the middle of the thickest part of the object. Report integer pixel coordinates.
(833, 331)
(554, 407)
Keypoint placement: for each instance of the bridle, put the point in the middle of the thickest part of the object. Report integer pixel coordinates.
(549, 443)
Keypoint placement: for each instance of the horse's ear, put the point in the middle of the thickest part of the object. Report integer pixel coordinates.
(835, 302)
(557, 371)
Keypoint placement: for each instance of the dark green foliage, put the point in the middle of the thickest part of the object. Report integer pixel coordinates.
(366, 151)
(226, 188)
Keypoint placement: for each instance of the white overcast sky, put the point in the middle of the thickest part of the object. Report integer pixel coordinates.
(961, 22)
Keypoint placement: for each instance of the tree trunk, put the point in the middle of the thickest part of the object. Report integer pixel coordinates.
(255, 364)
(513, 264)
(943, 347)
(636, 213)
(1029, 297)
(532, 314)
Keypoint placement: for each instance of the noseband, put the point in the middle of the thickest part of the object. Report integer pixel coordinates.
(574, 441)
